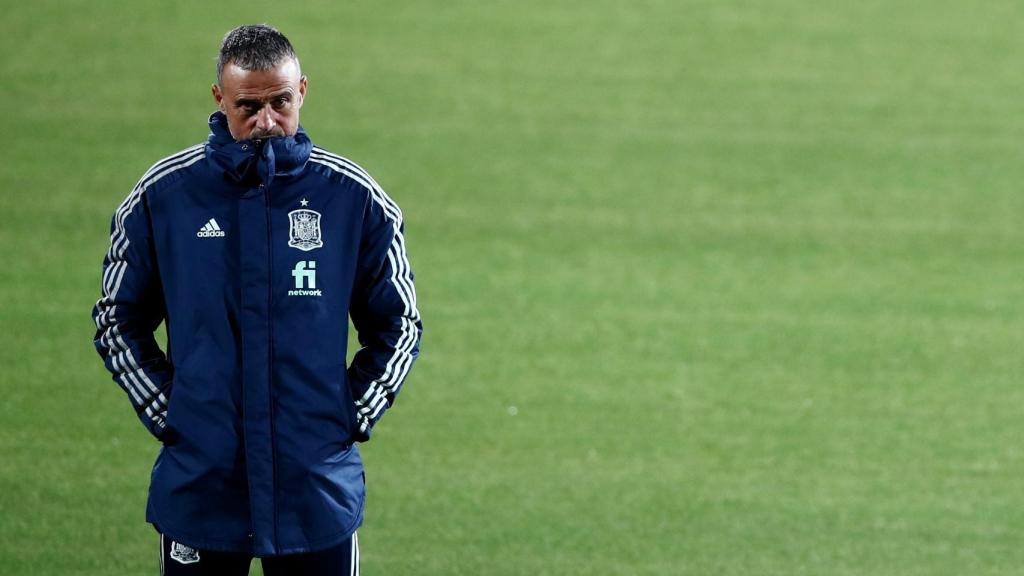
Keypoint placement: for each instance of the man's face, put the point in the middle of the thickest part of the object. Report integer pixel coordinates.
(261, 103)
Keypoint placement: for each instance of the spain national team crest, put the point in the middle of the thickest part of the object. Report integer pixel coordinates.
(184, 554)
(304, 229)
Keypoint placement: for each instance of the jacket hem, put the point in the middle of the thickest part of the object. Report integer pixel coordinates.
(323, 543)
(202, 543)
(245, 546)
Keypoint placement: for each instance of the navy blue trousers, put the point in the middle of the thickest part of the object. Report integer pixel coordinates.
(176, 559)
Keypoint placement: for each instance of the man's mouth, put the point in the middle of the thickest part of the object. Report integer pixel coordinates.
(262, 135)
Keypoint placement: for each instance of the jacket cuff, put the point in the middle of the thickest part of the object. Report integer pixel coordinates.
(155, 420)
(369, 408)
(369, 404)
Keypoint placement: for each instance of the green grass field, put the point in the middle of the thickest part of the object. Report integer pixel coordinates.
(709, 287)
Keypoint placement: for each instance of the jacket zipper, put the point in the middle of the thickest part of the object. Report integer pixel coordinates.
(270, 347)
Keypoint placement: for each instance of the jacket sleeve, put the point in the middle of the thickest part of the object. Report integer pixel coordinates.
(128, 312)
(384, 314)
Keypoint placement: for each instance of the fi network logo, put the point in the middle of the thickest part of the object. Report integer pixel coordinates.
(305, 279)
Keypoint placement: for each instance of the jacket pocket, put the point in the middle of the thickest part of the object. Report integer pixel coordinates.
(169, 436)
(348, 411)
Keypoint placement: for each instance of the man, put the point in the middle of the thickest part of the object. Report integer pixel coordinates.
(255, 248)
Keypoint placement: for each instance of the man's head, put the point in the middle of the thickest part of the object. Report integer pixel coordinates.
(260, 87)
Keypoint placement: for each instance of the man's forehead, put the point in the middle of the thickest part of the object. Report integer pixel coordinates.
(284, 75)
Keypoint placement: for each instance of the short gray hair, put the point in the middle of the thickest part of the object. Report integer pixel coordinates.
(253, 47)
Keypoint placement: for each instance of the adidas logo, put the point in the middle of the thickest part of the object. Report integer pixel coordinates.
(210, 230)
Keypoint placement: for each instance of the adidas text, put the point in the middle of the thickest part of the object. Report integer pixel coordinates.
(210, 230)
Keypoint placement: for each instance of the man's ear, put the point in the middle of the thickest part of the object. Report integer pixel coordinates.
(218, 97)
(303, 84)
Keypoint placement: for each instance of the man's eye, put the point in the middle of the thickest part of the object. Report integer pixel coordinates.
(280, 103)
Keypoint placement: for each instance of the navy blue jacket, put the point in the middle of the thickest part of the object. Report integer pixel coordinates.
(255, 254)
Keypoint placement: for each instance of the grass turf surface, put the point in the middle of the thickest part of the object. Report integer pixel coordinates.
(748, 273)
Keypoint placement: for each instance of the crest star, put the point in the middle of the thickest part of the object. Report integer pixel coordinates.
(304, 202)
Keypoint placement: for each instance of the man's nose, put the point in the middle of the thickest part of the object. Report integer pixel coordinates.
(264, 118)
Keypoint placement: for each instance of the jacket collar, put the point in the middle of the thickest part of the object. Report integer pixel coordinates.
(255, 161)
